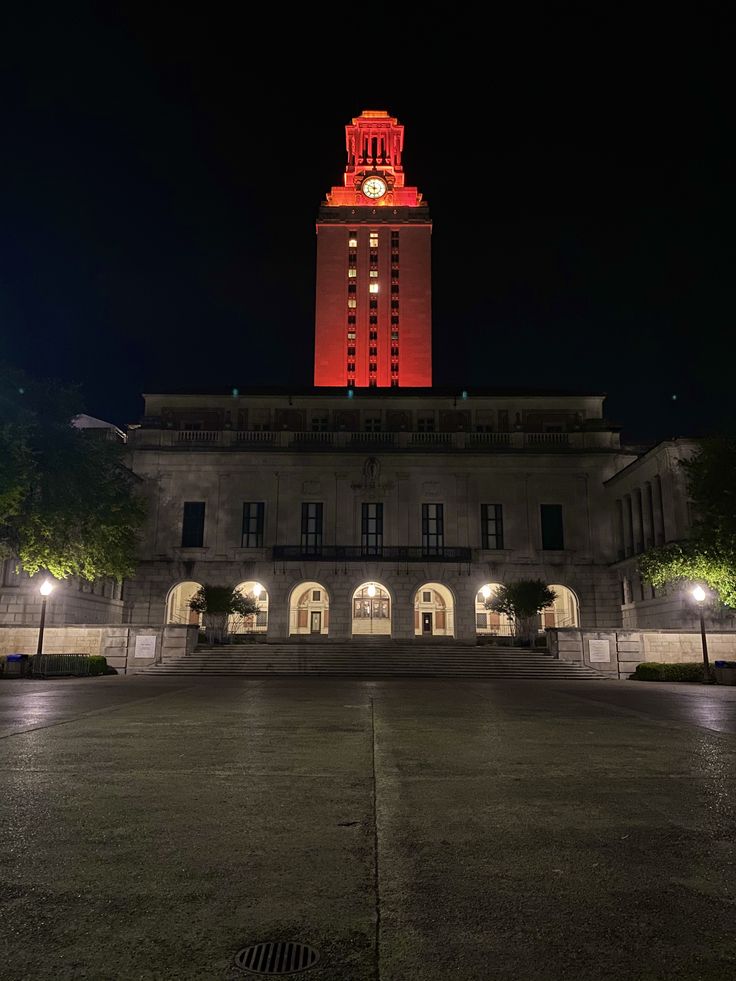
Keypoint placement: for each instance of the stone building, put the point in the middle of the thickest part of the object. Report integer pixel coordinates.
(368, 506)
(359, 513)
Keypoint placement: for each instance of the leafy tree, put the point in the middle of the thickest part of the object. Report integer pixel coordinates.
(68, 504)
(709, 555)
(217, 604)
(522, 602)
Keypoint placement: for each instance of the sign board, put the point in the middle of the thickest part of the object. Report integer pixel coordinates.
(145, 645)
(599, 650)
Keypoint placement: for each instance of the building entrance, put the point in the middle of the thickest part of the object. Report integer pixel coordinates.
(315, 626)
(426, 623)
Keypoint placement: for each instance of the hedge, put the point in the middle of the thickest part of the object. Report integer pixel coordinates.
(98, 665)
(654, 671)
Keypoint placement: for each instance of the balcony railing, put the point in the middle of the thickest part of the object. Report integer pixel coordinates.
(355, 553)
(359, 441)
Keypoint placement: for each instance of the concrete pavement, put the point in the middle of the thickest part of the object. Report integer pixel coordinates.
(408, 829)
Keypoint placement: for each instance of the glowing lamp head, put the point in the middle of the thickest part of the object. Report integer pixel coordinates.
(46, 587)
(257, 590)
(698, 594)
(371, 590)
(485, 592)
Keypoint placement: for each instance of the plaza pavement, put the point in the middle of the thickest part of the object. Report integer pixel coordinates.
(407, 829)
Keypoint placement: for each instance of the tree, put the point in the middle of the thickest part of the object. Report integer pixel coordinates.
(217, 604)
(709, 555)
(522, 601)
(68, 503)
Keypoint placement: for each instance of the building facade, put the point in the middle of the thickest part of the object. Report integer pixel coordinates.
(391, 514)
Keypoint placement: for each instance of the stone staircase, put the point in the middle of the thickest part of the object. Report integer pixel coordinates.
(370, 659)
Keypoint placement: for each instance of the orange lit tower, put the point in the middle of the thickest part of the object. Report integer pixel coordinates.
(373, 317)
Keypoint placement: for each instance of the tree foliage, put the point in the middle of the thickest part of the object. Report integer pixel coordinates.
(68, 504)
(709, 555)
(522, 601)
(217, 604)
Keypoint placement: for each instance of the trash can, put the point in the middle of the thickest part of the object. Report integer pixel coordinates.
(725, 672)
(16, 665)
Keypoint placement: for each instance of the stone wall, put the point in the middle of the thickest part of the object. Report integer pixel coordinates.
(127, 648)
(616, 653)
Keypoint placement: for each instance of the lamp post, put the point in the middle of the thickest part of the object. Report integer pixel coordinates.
(698, 594)
(45, 589)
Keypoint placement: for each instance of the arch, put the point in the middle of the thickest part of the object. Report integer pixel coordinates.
(309, 609)
(488, 623)
(434, 611)
(566, 609)
(256, 623)
(371, 610)
(177, 603)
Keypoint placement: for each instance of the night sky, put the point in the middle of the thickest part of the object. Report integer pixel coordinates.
(162, 170)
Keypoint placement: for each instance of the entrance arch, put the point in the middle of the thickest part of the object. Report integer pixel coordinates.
(434, 611)
(566, 610)
(371, 610)
(255, 623)
(309, 609)
(177, 603)
(488, 623)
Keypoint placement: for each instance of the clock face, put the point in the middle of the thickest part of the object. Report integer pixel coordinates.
(374, 187)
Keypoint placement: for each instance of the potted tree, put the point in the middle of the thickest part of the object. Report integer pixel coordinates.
(522, 602)
(217, 604)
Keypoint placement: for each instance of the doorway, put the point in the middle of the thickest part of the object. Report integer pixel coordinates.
(426, 623)
(315, 626)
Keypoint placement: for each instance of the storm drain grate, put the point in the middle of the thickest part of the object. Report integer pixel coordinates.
(276, 958)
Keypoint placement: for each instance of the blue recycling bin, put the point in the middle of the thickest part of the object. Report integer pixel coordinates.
(16, 665)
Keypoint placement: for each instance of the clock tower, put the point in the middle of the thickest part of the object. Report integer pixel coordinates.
(373, 313)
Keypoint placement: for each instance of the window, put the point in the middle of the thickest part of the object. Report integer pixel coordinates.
(373, 274)
(352, 240)
(373, 239)
(351, 335)
(253, 524)
(373, 287)
(433, 536)
(491, 519)
(352, 302)
(320, 422)
(371, 532)
(352, 272)
(426, 596)
(192, 526)
(425, 424)
(373, 304)
(373, 424)
(352, 288)
(311, 527)
(316, 595)
(552, 537)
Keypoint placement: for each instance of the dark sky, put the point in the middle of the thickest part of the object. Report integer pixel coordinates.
(162, 169)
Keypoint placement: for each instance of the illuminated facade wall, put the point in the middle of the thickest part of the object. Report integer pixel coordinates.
(373, 311)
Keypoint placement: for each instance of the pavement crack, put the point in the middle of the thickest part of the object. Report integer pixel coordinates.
(376, 881)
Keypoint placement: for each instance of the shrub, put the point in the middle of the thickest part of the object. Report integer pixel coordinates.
(654, 671)
(98, 665)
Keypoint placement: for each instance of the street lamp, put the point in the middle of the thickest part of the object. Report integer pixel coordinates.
(485, 591)
(45, 589)
(698, 594)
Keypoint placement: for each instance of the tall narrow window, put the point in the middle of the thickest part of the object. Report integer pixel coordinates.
(491, 516)
(192, 526)
(253, 524)
(552, 536)
(433, 533)
(311, 528)
(371, 529)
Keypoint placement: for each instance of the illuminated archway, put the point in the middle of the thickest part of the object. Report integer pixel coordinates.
(566, 609)
(177, 603)
(434, 611)
(255, 623)
(488, 623)
(371, 610)
(309, 609)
